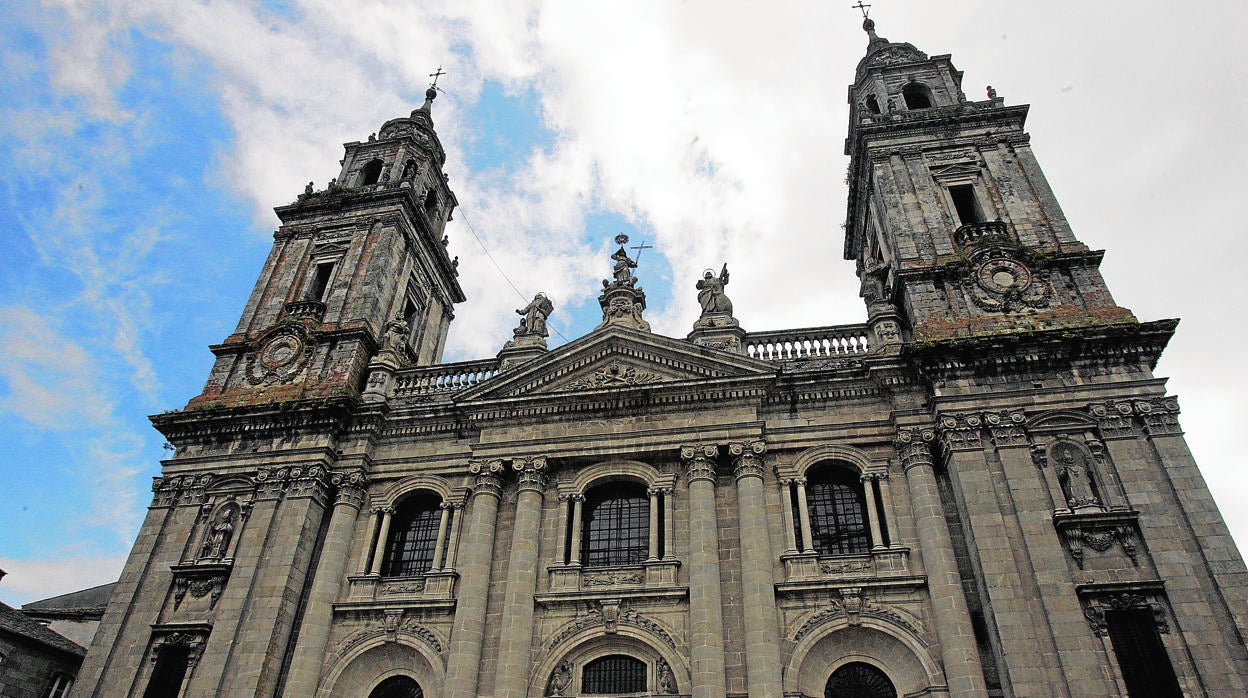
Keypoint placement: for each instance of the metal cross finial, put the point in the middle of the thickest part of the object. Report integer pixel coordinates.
(435, 75)
(639, 248)
(866, 9)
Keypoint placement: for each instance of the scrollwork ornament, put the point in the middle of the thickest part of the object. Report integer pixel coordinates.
(747, 458)
(915, 447)
(699, 461)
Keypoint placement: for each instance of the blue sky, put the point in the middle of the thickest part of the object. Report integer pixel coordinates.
(145, 144)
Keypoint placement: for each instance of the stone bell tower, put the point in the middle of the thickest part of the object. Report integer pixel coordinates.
(359, 272)
(950, 219)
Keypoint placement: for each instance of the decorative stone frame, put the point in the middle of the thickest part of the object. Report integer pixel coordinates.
(1096, 599)
(436, 583)
(567, 573)
(599, 641)
(895, 650)
(881, 560)
(193, 636)
(361, 664)
(1067, 427)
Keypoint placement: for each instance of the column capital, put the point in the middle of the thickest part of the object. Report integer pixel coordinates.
(915, 447)
(794, 480)
(661, 491)
(747, 458)
(700, 461)
(530, 473)
(1008, 428)
(352, 486)
(961, 432)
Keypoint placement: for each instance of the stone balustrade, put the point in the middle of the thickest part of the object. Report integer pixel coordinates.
(808, 343)
(443, 378)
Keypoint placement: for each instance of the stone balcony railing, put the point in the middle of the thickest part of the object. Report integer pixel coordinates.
(443, 379)
(974, 234)
(839, 341)
(809, 343)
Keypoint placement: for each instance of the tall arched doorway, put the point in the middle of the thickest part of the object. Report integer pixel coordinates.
(397, 687)
(859, 680)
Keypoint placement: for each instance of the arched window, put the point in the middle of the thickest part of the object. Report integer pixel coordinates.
(370, 173)
(873, 105)
(917, 96)
(614, 673)
(413, 536)
(431, 202)
(397, 687)
(859, 680)
(838, 511)
(616, 526)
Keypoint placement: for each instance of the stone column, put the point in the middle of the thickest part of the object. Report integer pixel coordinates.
(669, 549)
(952, 619)
(574, 558)
(762, 644)
(439, 546)
(383, 537)
(873, 515)
(452, 542)
(468, 629)
(890, 519)
(565, 519)
(654, 526)
(706, 651)
(516, 643)
(803, 515)
(786, 508)
(366, 555)
(309, 654)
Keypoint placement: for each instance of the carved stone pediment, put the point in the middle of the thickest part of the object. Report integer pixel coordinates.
(616, 358)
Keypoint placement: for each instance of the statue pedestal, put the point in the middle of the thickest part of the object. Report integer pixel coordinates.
(380, 376)
(522, 348)
(622, 304)
(885, 324)
(718, 331)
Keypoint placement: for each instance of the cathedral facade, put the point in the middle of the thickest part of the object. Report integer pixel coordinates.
(980, 491)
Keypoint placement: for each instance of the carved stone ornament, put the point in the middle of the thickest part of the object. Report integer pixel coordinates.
(1001, 284)
(193, 638)
(615, 375)
(747, 458)
(1008, 428)
(915, 447)
(280, 356)
(530, 473)
(610, 615)
(352, 487)
(1095, 607)
(699, 461)
(852, 606)
(961, 432)
(613, 578)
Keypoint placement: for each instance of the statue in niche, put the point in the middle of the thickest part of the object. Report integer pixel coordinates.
(1074, 476)
(533, 316)
(666, 683)
(218, 540)
(409, 170)
(711, 292)
(560, 680)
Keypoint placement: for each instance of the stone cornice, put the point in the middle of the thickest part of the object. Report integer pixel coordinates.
(319, 415)
(1119, 344)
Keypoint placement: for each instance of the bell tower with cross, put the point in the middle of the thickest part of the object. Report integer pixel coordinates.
(359, 281)
(951, 221)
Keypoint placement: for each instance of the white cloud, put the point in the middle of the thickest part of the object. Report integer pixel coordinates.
(32, 580)
(52, 381)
